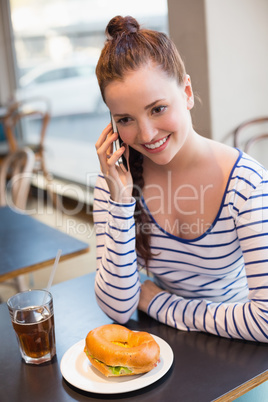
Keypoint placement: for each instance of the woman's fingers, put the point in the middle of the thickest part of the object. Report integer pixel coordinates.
(113, 158)
(148, 291)
(103, 136)
(104, 145)
(119, 182)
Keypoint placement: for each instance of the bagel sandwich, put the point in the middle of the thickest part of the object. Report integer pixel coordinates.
(115, 350)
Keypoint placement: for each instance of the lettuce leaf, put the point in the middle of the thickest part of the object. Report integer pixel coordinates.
(115, 370)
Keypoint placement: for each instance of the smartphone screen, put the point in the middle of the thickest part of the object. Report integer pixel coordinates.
(122, 162)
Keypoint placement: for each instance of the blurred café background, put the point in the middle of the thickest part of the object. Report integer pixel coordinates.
(48, 53)
(50, 101)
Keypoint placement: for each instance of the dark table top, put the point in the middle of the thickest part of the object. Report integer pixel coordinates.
(27, 244)
(205, 367)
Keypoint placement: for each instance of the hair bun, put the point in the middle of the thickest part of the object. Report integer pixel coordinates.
(119, 25)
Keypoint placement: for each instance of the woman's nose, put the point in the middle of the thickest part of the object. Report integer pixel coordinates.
(146, 132)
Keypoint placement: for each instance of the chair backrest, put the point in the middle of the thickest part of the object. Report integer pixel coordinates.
(252, 138)
(15, 178)
(38, 108)
(248, 130)
(257, 147)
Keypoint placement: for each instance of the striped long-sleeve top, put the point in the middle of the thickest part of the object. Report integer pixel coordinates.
(217, 283)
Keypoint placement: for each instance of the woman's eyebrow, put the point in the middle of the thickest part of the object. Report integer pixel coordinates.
(121, 115)
(145, 108)
(153, 103)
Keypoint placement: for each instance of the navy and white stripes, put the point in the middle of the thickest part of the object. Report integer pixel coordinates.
(216, 283)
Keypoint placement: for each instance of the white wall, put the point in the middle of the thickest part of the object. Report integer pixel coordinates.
(237, 43)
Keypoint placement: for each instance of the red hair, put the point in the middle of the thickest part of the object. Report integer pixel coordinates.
(128, 47)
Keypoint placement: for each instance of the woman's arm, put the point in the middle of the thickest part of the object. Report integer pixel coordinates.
(244, 320)
(117, 285)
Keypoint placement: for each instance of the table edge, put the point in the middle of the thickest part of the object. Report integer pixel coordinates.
(35, 267)
(244, 388)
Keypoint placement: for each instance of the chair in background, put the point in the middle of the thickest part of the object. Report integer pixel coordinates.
(35, 115)
(255, 141)
(252, 137)
(15, 178)
(15, 181)
(248, 130)
(21, 112)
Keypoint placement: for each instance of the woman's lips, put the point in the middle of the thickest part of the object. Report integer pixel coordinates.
(157, 146)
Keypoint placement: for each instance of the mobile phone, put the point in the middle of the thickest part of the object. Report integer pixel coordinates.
(122, 162)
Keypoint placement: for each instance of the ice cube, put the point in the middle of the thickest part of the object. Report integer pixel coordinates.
(40, 314)
(31, 315)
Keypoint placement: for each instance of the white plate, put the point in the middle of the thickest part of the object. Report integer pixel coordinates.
(78, 371)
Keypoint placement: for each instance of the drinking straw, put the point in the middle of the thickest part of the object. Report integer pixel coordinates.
(52, 273)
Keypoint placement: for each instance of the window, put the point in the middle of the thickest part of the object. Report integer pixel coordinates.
(57, 45)
(52, 75)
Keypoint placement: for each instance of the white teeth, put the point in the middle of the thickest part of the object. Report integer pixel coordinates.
(156, 144)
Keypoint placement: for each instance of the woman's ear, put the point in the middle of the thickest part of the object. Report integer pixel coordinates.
(189, 92)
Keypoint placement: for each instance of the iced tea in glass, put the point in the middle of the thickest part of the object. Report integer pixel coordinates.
(32, 318)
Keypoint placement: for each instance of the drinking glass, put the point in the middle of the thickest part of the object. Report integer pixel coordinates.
(32, 318)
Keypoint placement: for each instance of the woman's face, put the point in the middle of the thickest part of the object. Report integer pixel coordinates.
(151, 112)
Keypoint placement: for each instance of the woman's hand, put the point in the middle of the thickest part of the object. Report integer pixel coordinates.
(120, 183)
(148, 291)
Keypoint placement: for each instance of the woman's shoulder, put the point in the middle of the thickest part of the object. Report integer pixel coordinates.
(250, 170)
(235, 161)
(229, 155)
(224, 152)
(220, 157)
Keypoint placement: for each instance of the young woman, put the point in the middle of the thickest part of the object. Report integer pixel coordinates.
(192, 211)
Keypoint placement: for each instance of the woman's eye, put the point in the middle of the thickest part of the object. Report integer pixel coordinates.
(124, 120)
(158, 109)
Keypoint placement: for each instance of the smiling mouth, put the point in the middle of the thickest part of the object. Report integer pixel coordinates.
(157, 144)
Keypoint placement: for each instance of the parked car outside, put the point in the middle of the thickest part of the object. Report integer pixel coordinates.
(70, 87)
